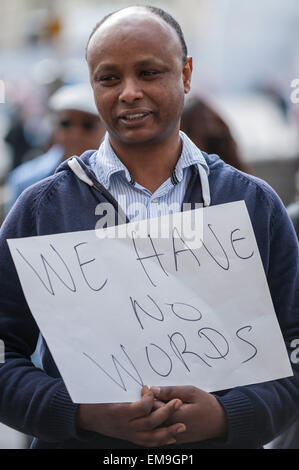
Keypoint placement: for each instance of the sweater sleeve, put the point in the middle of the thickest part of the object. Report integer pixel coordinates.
(31, 401)
(258, 413)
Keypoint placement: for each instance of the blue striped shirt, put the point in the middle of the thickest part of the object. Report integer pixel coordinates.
(137, 202)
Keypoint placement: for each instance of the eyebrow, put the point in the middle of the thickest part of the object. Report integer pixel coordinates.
(140, 63)
(149, 61)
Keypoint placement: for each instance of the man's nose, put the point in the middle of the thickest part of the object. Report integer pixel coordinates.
(131, 91)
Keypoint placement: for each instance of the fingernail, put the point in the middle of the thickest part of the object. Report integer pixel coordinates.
(155, 390)
(177, 404)
(181, 428)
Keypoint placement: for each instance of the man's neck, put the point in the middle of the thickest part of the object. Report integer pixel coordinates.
(150, 165)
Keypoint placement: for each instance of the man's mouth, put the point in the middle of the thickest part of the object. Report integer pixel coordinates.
(134, 116)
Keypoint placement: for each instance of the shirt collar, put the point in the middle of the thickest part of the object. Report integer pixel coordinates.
(191, 155)
(108, 164)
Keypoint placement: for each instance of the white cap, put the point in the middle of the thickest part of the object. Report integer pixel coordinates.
(77, 97)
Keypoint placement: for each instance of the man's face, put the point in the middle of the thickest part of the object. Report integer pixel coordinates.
(138, 77)
(77, 131)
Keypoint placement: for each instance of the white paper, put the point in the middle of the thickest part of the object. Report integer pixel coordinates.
(120, 313)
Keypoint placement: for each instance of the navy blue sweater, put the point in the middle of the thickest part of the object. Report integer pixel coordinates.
(36, 401)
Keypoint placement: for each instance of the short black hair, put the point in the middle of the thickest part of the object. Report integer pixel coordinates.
(158, 12)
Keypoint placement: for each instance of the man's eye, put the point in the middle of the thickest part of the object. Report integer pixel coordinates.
(107, 79)
(150, 73)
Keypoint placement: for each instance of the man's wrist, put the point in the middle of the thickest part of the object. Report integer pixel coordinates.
(83, 418)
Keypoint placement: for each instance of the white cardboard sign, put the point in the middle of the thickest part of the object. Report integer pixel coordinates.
(119, 313)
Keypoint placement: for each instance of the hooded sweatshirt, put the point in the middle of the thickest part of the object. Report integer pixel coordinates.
(35, 401)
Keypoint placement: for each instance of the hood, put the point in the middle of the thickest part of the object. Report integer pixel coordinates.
(84, 160)
(81, 168)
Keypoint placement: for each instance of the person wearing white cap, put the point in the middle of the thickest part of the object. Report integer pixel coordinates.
(76, 128)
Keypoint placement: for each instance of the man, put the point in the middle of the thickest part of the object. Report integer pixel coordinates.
(76, 128)
(139, 90)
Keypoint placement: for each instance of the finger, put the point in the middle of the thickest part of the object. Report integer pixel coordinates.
(187, 394)
(142, 407)
(161, 436)
(157, 417)
(145, 391)
(158, 404)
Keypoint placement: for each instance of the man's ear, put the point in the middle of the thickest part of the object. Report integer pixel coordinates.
(187, 74)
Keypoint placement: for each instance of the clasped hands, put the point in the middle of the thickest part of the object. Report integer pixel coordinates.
(163, 416)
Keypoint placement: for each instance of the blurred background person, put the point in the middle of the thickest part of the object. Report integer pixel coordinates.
(17, 139)
(27, 131)
(76, 128)
(210, 133)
